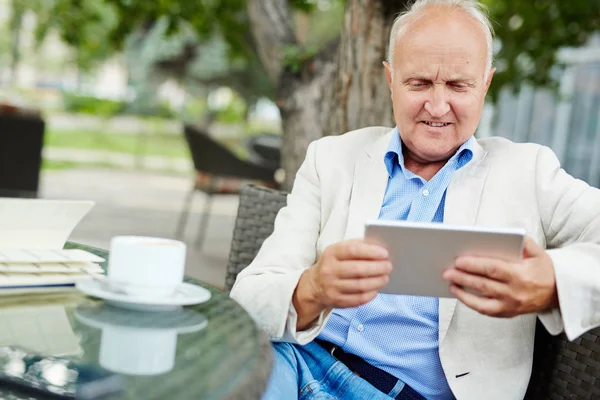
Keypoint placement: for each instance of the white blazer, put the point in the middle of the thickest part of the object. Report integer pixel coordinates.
(341, 185)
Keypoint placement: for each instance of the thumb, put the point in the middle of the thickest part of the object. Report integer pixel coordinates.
(531, 248)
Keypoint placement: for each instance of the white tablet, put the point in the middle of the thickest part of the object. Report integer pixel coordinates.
(420, 252)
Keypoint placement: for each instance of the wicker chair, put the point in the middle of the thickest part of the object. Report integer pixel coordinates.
(561, 369)
(256, 214)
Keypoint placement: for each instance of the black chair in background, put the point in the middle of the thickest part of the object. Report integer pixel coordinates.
(265, 149)
(21, 142)
(562, 370)
(219, 171)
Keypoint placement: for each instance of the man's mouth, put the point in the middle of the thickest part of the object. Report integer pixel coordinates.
(436, 124)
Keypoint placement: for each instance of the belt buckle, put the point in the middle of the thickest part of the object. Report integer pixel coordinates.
(332, 352)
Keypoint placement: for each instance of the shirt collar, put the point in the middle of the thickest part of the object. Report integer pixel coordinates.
(463, 155)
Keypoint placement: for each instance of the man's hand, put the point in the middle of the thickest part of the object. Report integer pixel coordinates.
(347, 274)
(505, 289)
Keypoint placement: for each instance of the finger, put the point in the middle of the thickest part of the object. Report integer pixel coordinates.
(531, 248)
(374, 242)
(360, 250)
(480, 284)
(488, 267)
(482, 305)
(364, 285)
(363, 269)
(352, 300)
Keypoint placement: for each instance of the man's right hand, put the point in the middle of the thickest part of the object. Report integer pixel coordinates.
(347, 274)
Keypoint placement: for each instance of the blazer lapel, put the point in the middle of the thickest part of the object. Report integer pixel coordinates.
(368, 188)
(461, 207)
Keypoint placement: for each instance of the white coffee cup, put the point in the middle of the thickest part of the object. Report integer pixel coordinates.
(132, 351)
(146, 266)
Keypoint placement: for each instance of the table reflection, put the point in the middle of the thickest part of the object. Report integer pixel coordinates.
(55, 375)
(137, 342)
(42, 329)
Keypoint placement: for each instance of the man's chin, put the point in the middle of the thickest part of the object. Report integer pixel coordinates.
(434, 154)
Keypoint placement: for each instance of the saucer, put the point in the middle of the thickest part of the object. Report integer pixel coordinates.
(186, 294)
(107, 316)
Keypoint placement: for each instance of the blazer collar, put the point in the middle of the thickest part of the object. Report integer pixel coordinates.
(368, 187)
(380, 147)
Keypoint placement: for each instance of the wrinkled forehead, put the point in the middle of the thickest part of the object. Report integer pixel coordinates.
(453, 41)
(442, 62)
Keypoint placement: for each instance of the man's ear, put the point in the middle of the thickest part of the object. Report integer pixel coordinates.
(489, 79)
(388, 74)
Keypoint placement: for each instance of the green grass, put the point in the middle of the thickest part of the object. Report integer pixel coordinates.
(144, 144)
(55, 165)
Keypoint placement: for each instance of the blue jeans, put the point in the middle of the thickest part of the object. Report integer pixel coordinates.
(310, 373)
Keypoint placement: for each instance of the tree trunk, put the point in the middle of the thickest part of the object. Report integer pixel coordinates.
(340, 89)
(361, 96)
(303, 102)
(301, 95)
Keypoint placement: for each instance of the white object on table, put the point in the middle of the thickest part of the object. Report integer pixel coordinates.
(146, 266)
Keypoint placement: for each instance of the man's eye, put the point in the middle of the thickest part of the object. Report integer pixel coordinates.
(458, 86)
(418, 85)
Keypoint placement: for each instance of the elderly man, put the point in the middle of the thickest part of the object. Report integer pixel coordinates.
(314, 284)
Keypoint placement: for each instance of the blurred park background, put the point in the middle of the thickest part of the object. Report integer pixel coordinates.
(148, 106)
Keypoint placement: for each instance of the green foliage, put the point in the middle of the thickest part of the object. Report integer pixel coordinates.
(295, 56)
(326, 23)
(223, 52)
(207, 16)
(147, 105)
(161, 110)
(198, 64)
(107, 108)
(85, 25)
(92, 105)
(530, 32)
(306, 6)
(203, 42)
(233, 113)
(155, 143)
(194, 110)
(6, 39)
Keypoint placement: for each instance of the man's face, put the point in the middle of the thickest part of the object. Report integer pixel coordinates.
(438, 83)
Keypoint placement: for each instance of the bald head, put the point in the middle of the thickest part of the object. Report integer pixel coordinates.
(451, 13)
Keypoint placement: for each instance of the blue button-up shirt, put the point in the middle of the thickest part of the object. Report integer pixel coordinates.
(399, 333)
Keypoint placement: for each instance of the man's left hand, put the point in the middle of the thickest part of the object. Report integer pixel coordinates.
(505, 289)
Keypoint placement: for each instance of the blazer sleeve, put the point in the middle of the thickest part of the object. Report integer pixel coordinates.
(570, 211)
(265, 288)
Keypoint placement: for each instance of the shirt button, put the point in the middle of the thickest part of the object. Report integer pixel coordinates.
(360, 327)
(425, 192)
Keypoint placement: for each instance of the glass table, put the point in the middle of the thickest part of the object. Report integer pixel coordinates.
(208, 351)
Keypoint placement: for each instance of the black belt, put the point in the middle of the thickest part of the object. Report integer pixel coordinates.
(380, 379)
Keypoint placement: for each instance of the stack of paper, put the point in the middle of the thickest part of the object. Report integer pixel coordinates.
(32, 235)
(21, 269)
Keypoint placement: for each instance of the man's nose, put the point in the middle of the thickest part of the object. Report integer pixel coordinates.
(438, 104)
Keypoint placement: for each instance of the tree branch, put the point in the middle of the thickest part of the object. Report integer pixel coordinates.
(271, 26)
